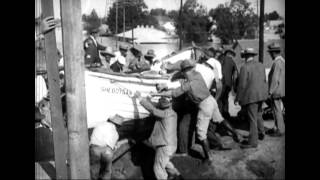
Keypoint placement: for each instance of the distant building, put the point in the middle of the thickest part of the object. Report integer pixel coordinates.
(273, 24)
(169, 27)
(147, 35)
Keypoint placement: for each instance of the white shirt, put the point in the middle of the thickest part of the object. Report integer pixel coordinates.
(40, 88)
(94, 40)
(207, 74)
(216, 66)
(105, 134)
(118, 57)
(156, 67)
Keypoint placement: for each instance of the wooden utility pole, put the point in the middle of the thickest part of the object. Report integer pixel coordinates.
(116, 24)
(132, 32)
(261, 30)
(75, 89)
(181, 31)
(60, 133)
(124, 20)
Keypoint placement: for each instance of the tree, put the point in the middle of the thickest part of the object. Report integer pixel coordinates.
(191, 26)
(92, 21)
(158, 12)
(272, 16)
(135, 14)
(235, 21)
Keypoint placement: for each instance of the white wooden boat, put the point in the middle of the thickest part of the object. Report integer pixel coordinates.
(108, 94)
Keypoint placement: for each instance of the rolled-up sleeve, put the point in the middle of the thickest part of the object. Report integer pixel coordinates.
(181, 90)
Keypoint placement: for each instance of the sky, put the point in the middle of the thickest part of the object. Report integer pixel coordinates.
(100, 5)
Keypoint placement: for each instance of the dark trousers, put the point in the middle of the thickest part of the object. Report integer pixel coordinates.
(186, 127)
(223, 101)
(254, 111)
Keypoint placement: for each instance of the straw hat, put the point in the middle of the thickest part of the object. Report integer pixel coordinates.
(274, 47)
(117, 119)
(249, 52)
(150, 53)
(123, 48)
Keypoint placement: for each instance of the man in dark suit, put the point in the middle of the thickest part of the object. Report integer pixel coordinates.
(92, 47)
(276, 81)
(251, 92)
(229, 75)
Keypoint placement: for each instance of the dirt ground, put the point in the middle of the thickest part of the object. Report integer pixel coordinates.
(265, 162)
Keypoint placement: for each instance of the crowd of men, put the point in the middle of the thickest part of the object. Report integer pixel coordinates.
(124, 59)
(205, 104)
(202, 107)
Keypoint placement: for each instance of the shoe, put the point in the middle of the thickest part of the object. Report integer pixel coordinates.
(246, 145)
(206, 151)
(276, 134)
(261, 136)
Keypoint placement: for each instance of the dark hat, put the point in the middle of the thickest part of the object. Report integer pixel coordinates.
(108, 52)
(230, 51)
(123, 48)
(186, 65)
(274, 47)
(117, 119)
(150, 53)
(249, 52)
(92, 31)
(135, 52)
(164, 102)
(38, 115)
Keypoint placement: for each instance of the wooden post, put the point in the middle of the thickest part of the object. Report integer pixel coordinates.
(132, 33)
(60, 134)
(116, 24)
(181, 36)
(124, 20)
(75, 89)
(261, 30)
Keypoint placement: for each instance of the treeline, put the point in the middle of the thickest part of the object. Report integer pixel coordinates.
(235, 20)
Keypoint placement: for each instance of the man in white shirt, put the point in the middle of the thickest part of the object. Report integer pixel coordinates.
(103, 142)
(41, 88)
(215, 66)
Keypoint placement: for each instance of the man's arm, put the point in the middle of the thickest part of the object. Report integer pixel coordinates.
(100, 47)
(149, 107)
(273, 82)
(185, 87)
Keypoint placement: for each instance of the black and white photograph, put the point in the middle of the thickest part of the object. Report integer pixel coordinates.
(160, 89)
